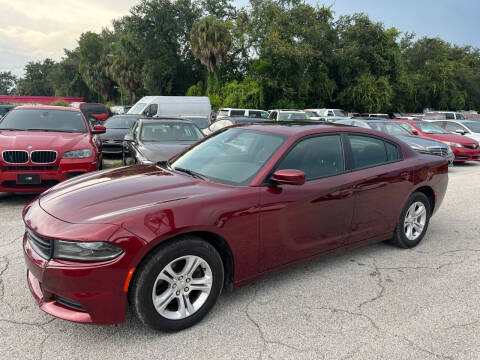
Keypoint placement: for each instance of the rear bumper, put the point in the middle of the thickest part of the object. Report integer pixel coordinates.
(49, 177)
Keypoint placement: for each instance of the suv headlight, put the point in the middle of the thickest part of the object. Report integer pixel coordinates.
(78, 154)
(91, 251)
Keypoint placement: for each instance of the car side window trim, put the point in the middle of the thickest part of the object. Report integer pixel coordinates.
(349, 146)
(268, 182)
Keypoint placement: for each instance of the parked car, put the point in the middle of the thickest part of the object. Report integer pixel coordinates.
(116, 128)
(223, 123)
(313, 116)
(230, 112)
(172, 106)
(464, 148)
(470, 128)
(154, 140)
(202, 122)
(330, 115)
(44, 145)
(420, 144)
(443, 115)
(120, 109)
(98, 111)
(5, 108)
(238, 205)
(287, 115)
(377, 116)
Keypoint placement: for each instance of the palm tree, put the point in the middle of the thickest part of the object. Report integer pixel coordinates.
(210, 40)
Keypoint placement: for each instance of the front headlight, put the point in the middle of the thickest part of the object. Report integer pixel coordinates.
(78, 154)
(452, 144)
(91, 251)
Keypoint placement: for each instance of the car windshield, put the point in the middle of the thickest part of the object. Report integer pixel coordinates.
(339, 113)
(389, 128)
(120, 122)
(473, 126)
(200, 121)
(233, 156)
(46, 120)
(93, 108)
(460, 116)
(137, 109)
(429, 128)
(169, 132)
(290, 116)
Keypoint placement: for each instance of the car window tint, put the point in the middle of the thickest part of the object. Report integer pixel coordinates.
(367, 151)
(237, 113)
(330, 113)
(393, 152)
(451, 126)
(273, 115)
(317, 157)
(450, 116)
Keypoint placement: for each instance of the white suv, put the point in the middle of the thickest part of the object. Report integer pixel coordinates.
(287, 115)
(229, 112)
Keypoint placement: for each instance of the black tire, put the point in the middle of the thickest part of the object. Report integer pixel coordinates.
(399, 237)
(100, 163)
(123, 158)
(140, 294)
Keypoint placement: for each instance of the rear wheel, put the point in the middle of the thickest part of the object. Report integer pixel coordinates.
(413, 222)
(178, 284)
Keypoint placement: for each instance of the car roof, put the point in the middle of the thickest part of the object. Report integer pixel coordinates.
(293, 128)
(46, 107)
(164, 120)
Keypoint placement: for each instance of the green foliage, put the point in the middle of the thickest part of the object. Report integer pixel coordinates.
(7, 83)
(36, 80)
(272, 54)
(59, 102)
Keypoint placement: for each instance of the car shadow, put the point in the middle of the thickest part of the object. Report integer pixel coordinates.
(16, 199)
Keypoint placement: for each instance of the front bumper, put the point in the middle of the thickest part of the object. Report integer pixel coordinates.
(80, 292)
(465, 154)
(50, 175)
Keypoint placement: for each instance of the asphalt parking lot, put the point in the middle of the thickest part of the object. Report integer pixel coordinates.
(376, 302)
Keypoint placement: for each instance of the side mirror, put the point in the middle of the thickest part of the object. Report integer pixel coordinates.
(99, 129)
(128, 137)
(460, 131)
(289, 177)
(415, 132)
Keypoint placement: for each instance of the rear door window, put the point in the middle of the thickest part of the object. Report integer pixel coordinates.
(317, 157)
(237, 113)
(369, 151)
(452, 127)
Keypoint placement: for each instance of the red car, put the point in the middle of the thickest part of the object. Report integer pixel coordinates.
(464, 148)
(238, 205)
(95, 110)
(44, 145)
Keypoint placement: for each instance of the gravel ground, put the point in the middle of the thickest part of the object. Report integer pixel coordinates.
(377, 302)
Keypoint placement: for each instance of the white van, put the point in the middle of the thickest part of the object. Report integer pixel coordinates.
(172, 106)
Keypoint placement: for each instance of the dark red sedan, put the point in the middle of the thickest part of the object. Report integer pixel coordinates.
(240, 204)
(43, 145)
(464, 148)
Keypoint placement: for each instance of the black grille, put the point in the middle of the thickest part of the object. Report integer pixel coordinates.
(441, 151)
(43, 157)
(69, 303)
(15, 156)
(29, 168)
(40, 245)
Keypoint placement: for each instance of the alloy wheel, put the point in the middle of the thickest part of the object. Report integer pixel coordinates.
(415, 220)
(182, 287)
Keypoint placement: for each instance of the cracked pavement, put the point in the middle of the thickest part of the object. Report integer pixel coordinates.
(376, 302)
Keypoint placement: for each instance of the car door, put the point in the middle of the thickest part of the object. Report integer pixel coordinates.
(300, 221)
(380, 184)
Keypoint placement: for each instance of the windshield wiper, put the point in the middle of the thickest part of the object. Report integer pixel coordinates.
(191, 173)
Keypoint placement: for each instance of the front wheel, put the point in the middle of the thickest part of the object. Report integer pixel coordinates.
(178, 284)
(413, 222)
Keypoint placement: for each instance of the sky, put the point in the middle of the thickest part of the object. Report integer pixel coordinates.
(32, 30)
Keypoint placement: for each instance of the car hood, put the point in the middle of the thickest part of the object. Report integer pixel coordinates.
(420, 141)
(110, 196)
(57, 141)
(463, 140)
(114, 134)
(163, 151)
